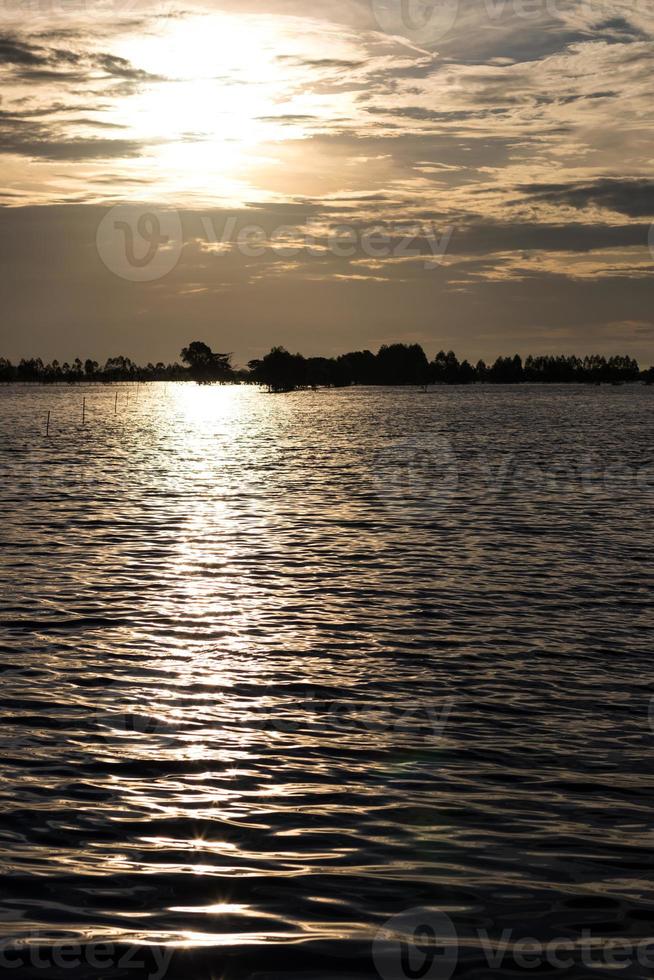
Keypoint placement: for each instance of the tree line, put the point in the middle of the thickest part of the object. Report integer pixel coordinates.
(393, 364)
(114, 369)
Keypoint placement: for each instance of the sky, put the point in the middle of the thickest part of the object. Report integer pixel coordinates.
(466, 174)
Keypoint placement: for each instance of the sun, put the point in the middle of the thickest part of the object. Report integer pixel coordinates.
(213, 96)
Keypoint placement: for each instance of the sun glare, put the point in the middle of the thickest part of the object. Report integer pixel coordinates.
(222, 92)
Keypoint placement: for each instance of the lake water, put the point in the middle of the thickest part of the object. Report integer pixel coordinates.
(286, 678)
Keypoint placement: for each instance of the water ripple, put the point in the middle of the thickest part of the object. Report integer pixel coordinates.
(277, 669)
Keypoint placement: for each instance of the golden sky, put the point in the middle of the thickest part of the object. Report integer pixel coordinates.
(510, 140)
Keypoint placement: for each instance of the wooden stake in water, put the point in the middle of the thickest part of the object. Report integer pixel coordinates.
(116, 404)
(83, 411)
(47, 425)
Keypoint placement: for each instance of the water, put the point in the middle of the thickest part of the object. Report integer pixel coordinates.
(276, 669)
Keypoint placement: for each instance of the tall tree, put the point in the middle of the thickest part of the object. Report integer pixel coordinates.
(204, 365)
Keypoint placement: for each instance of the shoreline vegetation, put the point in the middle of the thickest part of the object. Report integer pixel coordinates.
(281, 371)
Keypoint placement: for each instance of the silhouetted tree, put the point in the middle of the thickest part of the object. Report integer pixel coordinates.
(402, 364)
(280, 370)
(622, 369)
(395, 364)
(30, 370)
(204, 365)
(444, 369)
(359, 367)
(325, 372)
(506, 370)
(467, 373)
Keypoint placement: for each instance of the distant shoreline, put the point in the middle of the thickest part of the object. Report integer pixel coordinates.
(432, 386)
(394, 365)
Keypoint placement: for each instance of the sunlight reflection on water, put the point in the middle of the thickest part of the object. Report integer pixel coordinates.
(262, 687)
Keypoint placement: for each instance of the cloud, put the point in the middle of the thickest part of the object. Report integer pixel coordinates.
(121, 68)
(15, 52)
(287, 117)
(423, 114)
(523, 127)
(38, 145)
(41, 63)
(528, 302)
(338, 63)
(618, 30)
(633, 197)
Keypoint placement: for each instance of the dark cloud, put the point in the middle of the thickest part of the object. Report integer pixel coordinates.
(113, 179)
(81, 149)
(15, 52)
(121, 68)
(96, 123)
(41, 147)
(331, 63)
(286, 118)
(634, 198)
(571, 99)
(23, 110)
(36, 63)
(617, 30)
(320, 62)
(421, 114)
(50, 75)
(480, 38)
(65, 56)
(492, 236)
